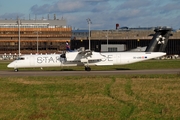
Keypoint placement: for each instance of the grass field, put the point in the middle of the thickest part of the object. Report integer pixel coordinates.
(96, 97)
(117, 97)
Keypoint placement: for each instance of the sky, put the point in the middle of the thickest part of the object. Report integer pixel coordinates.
(104, 14)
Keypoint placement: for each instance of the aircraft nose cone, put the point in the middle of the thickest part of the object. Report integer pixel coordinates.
(10, 65)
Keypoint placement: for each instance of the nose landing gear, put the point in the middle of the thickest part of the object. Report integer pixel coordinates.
(16, 70)
(87, 68)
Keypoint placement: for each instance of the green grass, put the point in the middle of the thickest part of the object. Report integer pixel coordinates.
(117, 97)
(91, 97)
(150, 64)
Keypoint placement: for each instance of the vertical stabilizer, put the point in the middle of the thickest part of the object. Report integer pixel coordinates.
(159, 40)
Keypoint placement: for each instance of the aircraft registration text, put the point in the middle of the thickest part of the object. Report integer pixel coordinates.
(141, 57)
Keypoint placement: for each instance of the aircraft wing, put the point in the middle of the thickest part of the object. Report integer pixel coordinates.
(89, 55)
(84, 56)
(86, 53)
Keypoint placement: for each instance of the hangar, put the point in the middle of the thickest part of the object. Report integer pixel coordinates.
(121, 40)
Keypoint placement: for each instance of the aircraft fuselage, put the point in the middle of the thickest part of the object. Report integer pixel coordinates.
(75, 59)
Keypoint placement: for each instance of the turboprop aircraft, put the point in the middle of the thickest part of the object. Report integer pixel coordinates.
(89, 58)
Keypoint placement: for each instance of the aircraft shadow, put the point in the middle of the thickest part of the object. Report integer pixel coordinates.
(67, 70)
(122, 69)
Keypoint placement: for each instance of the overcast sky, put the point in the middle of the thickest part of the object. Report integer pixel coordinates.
(104, 14)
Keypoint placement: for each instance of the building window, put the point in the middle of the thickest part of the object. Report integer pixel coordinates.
(112, 49)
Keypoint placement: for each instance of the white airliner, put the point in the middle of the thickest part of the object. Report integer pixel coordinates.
(89, 58)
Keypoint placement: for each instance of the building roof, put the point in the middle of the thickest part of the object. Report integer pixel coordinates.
(57, 22)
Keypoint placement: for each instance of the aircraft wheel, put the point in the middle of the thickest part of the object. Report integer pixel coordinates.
(15, 70)
(87, 69)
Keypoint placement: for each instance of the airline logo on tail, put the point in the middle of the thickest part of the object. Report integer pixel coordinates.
(160, 39)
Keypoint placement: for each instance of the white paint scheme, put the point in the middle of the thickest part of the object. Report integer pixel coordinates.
(77, 59)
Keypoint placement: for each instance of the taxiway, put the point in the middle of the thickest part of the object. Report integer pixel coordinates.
(85, 73)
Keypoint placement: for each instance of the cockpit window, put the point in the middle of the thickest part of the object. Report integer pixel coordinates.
(20, 58)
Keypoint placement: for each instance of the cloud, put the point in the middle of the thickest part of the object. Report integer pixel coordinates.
(104, 14)
(62, 6)
(71, 6)
(134, 4)
(101, 7)
(171, 7)
(12, 15)
(150, 13)
(40, 9)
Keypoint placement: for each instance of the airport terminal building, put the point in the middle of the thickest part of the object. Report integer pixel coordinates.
(32, 36)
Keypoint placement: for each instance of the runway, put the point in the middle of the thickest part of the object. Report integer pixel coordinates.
(11, 73)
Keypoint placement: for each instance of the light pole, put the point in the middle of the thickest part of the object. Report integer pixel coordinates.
(19, 36)
(107, 39)
(37, 42)
(89, 22)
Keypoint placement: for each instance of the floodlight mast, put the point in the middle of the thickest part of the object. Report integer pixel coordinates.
(19, 22)
(107, 39)
(37, 40)
(89, 23)
(37, 43)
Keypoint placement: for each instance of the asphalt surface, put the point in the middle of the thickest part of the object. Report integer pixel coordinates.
(11, 73)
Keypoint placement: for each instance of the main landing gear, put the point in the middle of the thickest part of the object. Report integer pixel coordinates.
(87, 68)
(86, 64)
(16, 70)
